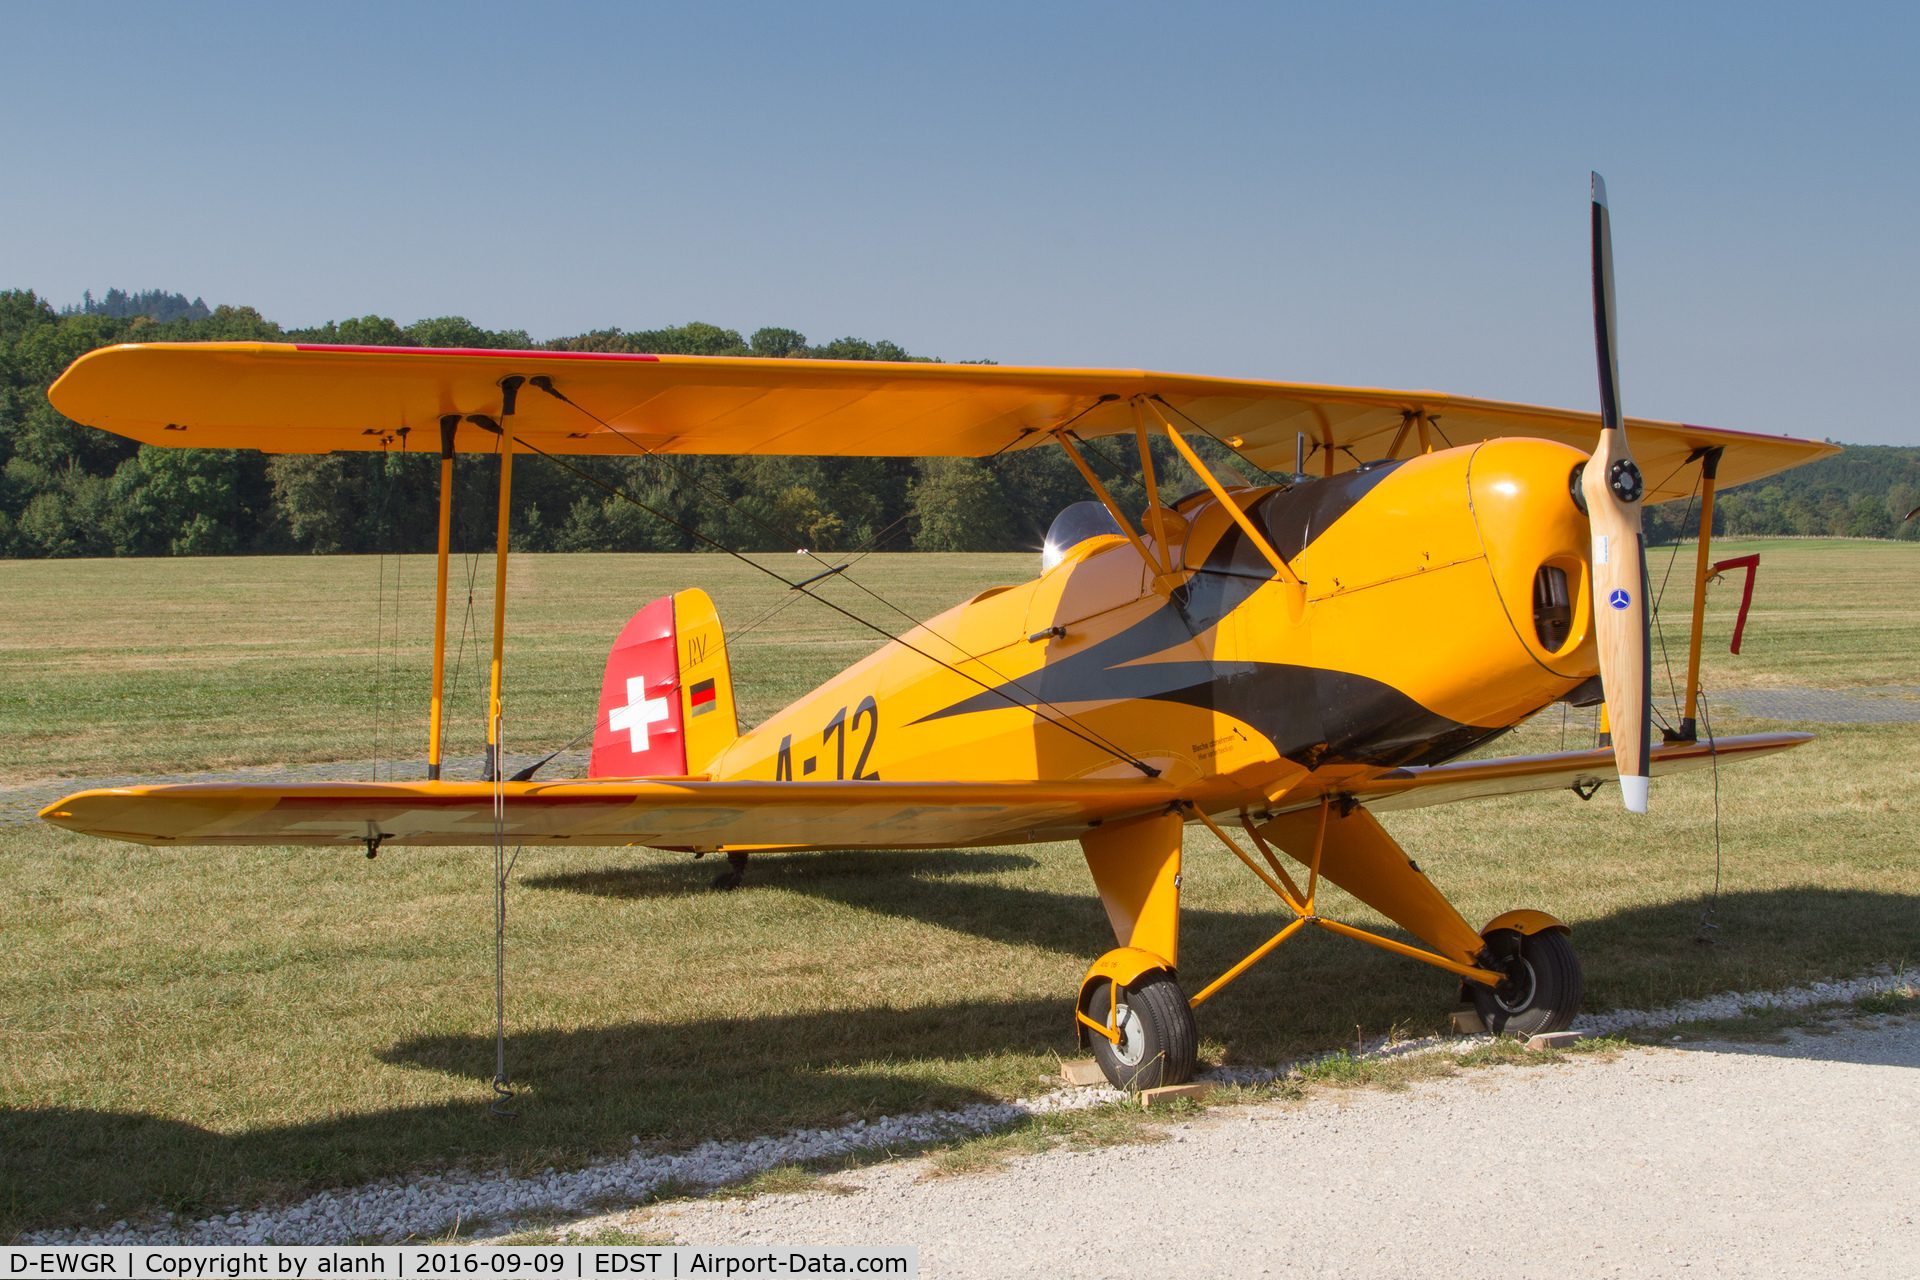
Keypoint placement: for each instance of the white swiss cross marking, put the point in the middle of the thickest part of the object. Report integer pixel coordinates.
(639, 712)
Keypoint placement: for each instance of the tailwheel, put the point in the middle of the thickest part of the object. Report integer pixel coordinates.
(1542, 988)
(1159, 1044)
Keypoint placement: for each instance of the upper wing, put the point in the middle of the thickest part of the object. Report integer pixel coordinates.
(667, 813)
(285, 398)
(1556, 771)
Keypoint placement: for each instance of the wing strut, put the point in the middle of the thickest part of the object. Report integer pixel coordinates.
(437, 708)
(1165, 561)
(1306, 912)
(1709, 471)
(1106, 499)
(1227, 504)
(494, 705)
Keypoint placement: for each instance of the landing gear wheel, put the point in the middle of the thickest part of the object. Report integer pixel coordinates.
(1542, 989)
(1159, 1044)
(734, 875)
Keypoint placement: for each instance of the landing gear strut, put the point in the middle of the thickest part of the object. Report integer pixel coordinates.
(735, 873)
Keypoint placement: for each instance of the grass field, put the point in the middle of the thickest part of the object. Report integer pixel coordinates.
(197, 1028)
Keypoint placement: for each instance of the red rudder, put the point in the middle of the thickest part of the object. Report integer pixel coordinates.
(640, 732)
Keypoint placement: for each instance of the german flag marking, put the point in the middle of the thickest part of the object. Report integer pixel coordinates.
(702, 698)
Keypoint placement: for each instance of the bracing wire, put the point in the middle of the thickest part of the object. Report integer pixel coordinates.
(654, 455)
(1660, 596)
(546, 385)
(379, 624)
(502, 1092)
(1061, 719)
(399, 563)
(868, 547)
(859, 552)
(472, 559)
(380, 602)
(526, 774)
(1197, 426)
(1707, 925)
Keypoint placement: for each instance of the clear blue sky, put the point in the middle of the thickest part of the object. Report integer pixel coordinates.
(1389, 195)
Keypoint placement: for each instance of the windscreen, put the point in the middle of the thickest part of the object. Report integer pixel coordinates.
(1072, 527)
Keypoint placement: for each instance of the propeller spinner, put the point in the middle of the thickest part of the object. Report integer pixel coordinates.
(1613, 488)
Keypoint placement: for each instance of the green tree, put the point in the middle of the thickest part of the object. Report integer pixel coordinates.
(458, 331)
(778, 344)
(695, 338)
(370, 331)
(958, 506)
(69, 515)
(1902, 498)
(860, 349)
(1868, 518)
(188, 502)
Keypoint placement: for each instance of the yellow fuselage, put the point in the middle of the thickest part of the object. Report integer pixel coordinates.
(1415, 638)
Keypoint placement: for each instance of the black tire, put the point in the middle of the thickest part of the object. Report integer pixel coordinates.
(1159, 1045)
(1542, 990)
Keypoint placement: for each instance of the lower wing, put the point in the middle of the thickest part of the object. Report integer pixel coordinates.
(694, 813)
(1513, 775)
(667, 813)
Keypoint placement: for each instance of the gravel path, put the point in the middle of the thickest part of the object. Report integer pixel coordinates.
(1885, 704)
(1717, 1160)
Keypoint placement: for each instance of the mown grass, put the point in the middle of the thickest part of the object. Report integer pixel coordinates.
(197, 1028)
(172, 666)
(1828, 613)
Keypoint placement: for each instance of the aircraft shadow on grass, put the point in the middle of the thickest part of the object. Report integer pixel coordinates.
(582, 1091)
(587, 1089)
(1642, 956)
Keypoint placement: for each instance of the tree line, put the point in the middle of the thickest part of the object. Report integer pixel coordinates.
(70, 490)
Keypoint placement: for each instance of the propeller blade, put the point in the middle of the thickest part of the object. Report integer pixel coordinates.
(1613, 488)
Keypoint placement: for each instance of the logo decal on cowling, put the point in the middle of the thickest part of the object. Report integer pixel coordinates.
(639, 712)
(1619, 599)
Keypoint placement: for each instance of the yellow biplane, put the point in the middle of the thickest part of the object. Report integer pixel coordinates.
(1272, 662)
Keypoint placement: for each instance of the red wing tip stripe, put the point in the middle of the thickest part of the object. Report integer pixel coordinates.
(477, 351)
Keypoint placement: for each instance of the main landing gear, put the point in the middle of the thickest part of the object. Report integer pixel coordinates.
(1541, 991)
(1157, 1043)
(734, 875)
(1519, 971)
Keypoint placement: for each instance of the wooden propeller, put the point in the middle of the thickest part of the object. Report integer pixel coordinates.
(1613, 488)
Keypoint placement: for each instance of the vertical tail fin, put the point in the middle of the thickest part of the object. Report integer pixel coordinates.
(706, 681)
(666, 702)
